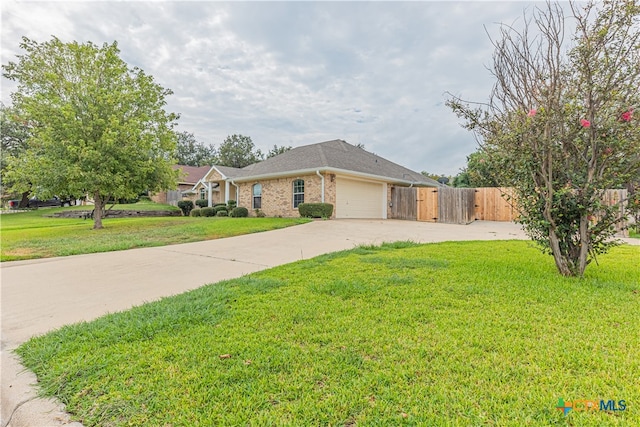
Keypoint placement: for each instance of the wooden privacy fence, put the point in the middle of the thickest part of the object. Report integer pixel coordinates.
(464, 205)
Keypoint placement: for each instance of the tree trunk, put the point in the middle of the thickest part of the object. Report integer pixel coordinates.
(561, 261)
(584, 244)
(24, 201)
(97, 211)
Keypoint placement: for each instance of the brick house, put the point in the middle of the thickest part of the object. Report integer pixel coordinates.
(357, 183)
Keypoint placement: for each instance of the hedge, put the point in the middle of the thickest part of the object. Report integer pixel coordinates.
(315, 210)
(239, 212)
(203, 203)
(208, 211)
(196, 212)
(185, 206)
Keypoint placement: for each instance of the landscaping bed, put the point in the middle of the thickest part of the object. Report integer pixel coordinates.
(85, 214)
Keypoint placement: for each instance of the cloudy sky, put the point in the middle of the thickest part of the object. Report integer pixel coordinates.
(296, 73)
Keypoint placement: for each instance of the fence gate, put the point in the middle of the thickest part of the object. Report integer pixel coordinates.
(403, 203)
(427, 204)
(494, 204)
(456, 205)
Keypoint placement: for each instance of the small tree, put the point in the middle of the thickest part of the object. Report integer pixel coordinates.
(560, 126)
(98, 127)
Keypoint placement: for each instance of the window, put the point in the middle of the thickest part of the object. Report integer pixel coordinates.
(257, 196)
(298, 192)
(203, 195)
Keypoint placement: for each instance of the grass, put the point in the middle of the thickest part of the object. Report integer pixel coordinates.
(464, 333)
(32, 234)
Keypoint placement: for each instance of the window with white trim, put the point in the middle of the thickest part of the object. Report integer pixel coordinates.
(257, 196)
(298, 192)
(203, 194)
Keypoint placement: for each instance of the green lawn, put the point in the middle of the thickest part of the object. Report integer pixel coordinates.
(32, 234)
(465, 333)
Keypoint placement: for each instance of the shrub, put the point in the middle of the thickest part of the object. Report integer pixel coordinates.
(239, 212)
(203, 203)
(196, 212)
(232, 204)
(260, 214)
(208, 212)
(220, 208)
(222, 213)
(315, 210)
(144, 199)
(219, 204)
(186, 206)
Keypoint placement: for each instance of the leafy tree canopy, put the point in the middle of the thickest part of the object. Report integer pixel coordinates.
(97, 126)
(238, 151)
(15, 134)
(190, 152)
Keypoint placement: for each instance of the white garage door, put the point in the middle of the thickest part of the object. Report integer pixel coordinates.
(359, 199)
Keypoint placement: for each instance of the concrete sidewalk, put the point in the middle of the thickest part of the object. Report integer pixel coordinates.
(41, 295)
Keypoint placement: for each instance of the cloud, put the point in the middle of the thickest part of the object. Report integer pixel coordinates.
(295, 73)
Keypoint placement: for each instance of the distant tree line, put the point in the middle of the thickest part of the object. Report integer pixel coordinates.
(236, 151)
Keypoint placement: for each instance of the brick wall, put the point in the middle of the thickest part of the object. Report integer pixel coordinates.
(277, 194)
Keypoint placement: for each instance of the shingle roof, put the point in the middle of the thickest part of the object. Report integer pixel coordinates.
(191, 174)
(334, 155)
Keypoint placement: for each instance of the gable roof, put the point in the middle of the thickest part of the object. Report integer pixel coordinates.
(334, 156)
(191, 174)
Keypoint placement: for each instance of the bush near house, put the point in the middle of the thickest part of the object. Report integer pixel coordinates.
(196, 212)
(222, 213)
(315, 210)
(220, 208)
(207, 212)
(203, 203)
(239, 212)
(186, 206)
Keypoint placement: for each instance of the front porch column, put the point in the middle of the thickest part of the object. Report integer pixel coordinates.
(210, 195)
(226, 191)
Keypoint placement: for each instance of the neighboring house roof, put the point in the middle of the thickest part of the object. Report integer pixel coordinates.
(191, 174)
(333, 156)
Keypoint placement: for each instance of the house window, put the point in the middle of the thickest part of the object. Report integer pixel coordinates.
(298, 192)
(203, 195)
(257, 196)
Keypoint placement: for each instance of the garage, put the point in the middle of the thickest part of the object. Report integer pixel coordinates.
(360, 199)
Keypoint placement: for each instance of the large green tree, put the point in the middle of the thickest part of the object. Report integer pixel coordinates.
(191, 152)
(98, 127)
(560, 123)
(14, 135)
(238, 151)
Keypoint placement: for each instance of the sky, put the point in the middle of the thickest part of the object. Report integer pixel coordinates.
(296, 73)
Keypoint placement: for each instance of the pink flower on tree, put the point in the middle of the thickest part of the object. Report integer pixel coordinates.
(627, 115)
(585, 123)
(532, 112)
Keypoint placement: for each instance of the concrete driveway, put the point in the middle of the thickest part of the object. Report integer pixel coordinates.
(41, 295)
